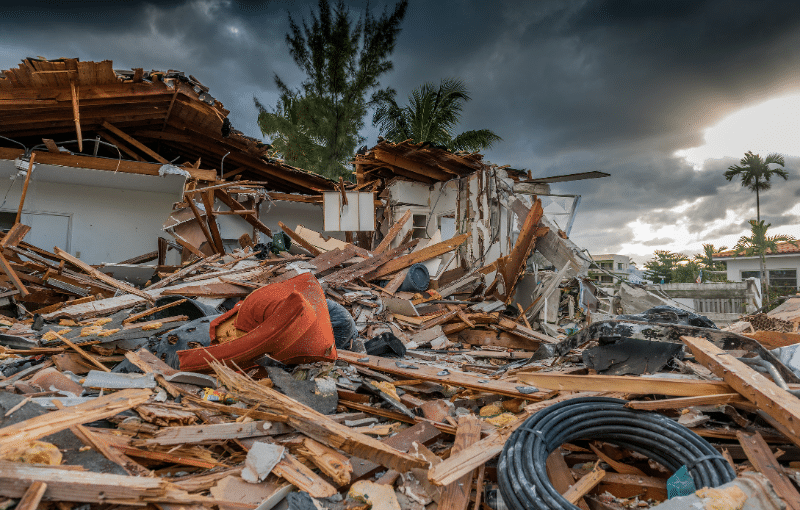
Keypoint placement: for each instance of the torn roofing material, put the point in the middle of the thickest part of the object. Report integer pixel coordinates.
(152, 117)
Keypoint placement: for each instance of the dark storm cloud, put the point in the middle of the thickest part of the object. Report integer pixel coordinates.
(606, 85)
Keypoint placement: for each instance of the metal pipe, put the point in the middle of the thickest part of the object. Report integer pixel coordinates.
(221, 165)
(768, 367)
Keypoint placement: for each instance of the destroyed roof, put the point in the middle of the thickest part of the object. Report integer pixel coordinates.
(420, 162)
(784, 248)
(151, 116)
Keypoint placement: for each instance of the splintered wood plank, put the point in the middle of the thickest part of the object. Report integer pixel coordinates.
(455, 496)
(208, 204)
(584, 485)
(455, 466)
(165, 457)
(83, 353)
(183, 272)
(85, 487)
(619, 467)
(25, 187)
(76, 115)
(560, 476)
(626, 384)
(423, 433)
(513, 264)
(361, 268)
(40, 426)
(15, 235)
(683, 402)
(393, 231)
(329, 461)
(99, 275)
(213, 432)
(333, 258)
(12, 275)
(396, 281)
(32, 497)
(234, 205)
(318, 426)
(776, 402)
(762, 458)
(51, 145)
(313, 250)
(113, 165)
(95, 441)
(422, 255)
(297, 474)
(198, 217)
(450, 377)
(512, 327)
(219, 290)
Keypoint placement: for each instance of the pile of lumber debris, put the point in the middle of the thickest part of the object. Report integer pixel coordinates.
(415, 397)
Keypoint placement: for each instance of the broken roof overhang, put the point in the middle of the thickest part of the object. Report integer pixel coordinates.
(89, 177)
(167, 113)
(420, 162)
(567, 178)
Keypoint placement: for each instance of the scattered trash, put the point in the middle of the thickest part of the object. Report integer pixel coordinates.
(215, 373)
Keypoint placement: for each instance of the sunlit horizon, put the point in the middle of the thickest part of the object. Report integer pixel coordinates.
(764, 128)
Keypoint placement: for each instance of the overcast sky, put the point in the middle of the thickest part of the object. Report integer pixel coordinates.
(617, 86)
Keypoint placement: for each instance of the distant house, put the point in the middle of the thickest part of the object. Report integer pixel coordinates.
(620, 266)
(782, 267)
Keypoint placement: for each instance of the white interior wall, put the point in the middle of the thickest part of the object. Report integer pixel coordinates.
(106, 223)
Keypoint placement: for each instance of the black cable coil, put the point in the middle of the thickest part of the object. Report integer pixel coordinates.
(522, 472)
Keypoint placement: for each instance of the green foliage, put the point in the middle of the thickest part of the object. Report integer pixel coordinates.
(758, 245)
(755, 174)
(705, 261)
(431, 115)
(317, 126)
(663, 265)
(686, 273)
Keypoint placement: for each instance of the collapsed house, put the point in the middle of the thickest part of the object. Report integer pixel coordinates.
(145, 136)
(444, 351)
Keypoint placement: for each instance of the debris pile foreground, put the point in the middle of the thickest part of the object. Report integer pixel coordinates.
(450, 354)
(323, 386)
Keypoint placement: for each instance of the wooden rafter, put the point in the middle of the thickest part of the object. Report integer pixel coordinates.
(121, 146)
(76, 115)
(136, 143)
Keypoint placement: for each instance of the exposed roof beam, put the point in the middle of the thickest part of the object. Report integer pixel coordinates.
(142, 147)
(412, 166)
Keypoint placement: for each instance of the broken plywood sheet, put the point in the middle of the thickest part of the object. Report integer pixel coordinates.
(316, 240)
(557, 250)
(265, 495)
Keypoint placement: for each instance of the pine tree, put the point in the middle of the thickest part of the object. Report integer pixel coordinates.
(316, 126)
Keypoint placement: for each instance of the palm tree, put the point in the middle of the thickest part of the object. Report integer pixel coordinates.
(706, 260)
(431, 115)
(756, 173)
(758, 245)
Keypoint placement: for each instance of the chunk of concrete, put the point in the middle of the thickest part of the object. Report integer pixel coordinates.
(260, 461)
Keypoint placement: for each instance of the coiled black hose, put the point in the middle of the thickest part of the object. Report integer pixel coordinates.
(522, 472)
